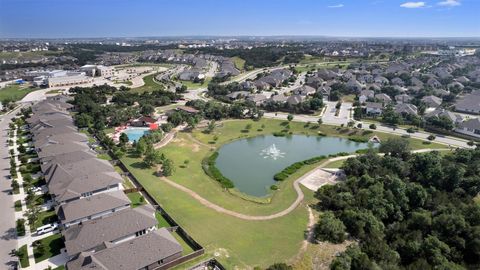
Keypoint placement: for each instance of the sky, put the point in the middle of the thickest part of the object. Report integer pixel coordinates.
(142, 18)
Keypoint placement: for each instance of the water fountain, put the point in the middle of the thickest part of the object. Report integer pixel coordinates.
(272, 152)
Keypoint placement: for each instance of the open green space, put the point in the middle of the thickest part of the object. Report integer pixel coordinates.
(14, 92)
(23, 256)
(254, 243)
(194, 85)
(136, 198)
(51, 246)
(150, 84)
(44, 218)
(335, 164)
(238, 62)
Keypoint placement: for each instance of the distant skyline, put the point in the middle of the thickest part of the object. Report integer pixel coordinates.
(143, 18)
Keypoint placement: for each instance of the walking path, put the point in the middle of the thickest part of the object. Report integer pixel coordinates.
(282, 213)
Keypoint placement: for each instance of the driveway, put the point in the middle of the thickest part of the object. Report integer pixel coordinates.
(7, 218)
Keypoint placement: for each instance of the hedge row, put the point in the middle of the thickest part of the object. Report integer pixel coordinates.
(285, 173)
(211, 170)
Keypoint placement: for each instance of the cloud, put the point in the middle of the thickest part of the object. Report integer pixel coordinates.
(337, 6)
(450, 3)
(413, 5)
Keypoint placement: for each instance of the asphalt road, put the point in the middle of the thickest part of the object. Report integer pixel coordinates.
(445, 140)
(7, 211)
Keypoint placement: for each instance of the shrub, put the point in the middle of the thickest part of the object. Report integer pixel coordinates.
(358, 139)
(471, 143)
(285, 173)
(406, 136)
(279, 134)
(431, 137)
(274, 187)
(373, 126)
(212, 171)
(20, 227)
(410, 130)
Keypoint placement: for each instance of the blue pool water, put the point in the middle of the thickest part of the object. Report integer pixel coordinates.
(134, 134)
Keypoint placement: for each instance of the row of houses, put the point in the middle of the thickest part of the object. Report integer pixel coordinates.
(100, 229)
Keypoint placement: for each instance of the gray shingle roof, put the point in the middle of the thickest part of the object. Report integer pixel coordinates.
(134, 254)
(92, 233)
(86, 207)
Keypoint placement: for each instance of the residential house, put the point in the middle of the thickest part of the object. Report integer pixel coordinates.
(374, 108)
(116, 228)
(383, 98)
(469, 103)
(149, 251)
(295, 99)
(432, 101)
(304, 90)
(403, 98)
(406, 109)
(469, 127)
(92, 207)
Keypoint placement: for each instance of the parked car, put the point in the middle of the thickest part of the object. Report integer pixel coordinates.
(47, 228)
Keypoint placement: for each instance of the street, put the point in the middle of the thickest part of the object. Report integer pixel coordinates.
(7, 220)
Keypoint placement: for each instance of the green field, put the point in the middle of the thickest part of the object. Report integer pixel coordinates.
(240, 243)
(239, 62)
(15, 92)
(150, 85)
(335, 164)
(192, 85)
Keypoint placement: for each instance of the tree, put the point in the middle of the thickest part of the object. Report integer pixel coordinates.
(152, 157)
(330, 229)
(320, 121)
(147, 109)
(123, 138)
(390, 117)
(210, 127)
(167, 167)
(140, 147)
(395, 147)
(32, 215)
(289, 117)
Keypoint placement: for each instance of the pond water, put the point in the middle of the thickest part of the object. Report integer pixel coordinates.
(251, 163)
(134, 134)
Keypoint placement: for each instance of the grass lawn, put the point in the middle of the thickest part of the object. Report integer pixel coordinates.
(14, 92)
(335, 164)
(238, 243)
(192, 85)
(238, 62)
(44, 218)
(23, 258)
(187, 249)
(61, 267)
(149, 86)
(136, 199)
(162, 222)
(18, 206)
(52, 244)
(104, 156)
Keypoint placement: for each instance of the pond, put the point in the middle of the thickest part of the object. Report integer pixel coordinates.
(134, 134)
(251, 163)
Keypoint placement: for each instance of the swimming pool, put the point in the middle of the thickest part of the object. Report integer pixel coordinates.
(134, 134)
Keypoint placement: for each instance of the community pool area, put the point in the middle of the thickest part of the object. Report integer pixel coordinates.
(134, 134)
(251, 163)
